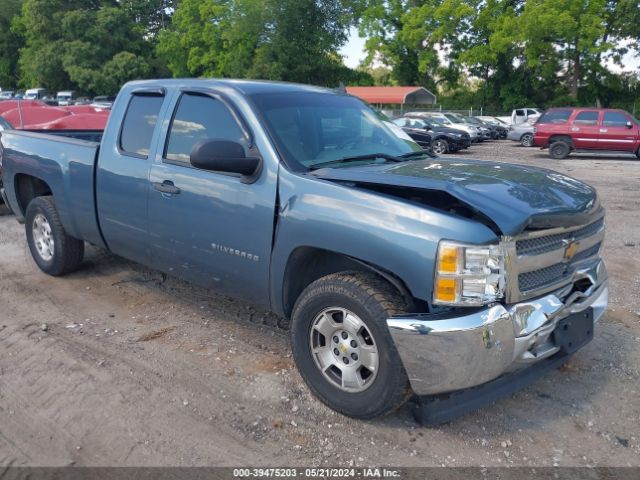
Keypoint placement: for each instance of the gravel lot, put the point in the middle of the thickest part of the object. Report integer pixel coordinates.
(120, 365)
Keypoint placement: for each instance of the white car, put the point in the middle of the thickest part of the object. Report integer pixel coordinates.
(522, 133)
(522, 115)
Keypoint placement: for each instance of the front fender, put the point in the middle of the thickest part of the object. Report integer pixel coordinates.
(395, 235)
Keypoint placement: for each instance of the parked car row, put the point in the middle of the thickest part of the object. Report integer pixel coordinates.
(446, 132)
(63, 98)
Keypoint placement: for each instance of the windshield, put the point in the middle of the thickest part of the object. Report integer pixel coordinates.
(313, 128)
(454, 118)
(438, 121)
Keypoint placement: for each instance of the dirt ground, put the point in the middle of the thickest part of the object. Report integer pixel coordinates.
(120, 365)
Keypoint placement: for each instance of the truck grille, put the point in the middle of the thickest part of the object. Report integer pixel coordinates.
(550, 275)
(539, 245)
(540, 262)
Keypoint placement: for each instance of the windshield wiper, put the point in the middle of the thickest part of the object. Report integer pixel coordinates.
(418, 153)
(368, 156)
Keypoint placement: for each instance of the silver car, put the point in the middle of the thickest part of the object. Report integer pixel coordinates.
(522, 133)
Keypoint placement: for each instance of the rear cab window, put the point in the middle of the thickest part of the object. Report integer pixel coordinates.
(139, 123)
(558, 116)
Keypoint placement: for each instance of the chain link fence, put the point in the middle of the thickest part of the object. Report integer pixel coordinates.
(398, 111)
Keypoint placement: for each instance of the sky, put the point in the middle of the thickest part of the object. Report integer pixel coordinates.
(353, 51)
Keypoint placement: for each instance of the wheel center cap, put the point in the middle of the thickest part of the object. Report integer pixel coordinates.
(343, 348)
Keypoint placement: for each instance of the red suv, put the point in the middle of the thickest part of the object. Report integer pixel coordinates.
(563, 130)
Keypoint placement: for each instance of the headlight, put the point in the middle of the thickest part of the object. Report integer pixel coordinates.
(468, 275)
(457, 135)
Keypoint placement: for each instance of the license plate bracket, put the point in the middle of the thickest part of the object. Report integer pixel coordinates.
(575, 331)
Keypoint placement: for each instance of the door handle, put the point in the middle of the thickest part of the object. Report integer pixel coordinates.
(603, 130)
(166, 187)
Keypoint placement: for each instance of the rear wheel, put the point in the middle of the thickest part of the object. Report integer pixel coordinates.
(526, 140)
(440, 146)
(55, 252)
(342, 345)
(559, 150)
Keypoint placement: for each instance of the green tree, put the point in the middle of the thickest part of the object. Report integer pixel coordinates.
(293, 40)
(533, 51)
(10, 43)
(90, 45)
(152, 15)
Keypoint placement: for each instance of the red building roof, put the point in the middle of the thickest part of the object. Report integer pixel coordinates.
(394, 95)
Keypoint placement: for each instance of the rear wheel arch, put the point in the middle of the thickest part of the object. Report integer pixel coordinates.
(526, 139)
(308, 264)
(28, 187)
(561, 138)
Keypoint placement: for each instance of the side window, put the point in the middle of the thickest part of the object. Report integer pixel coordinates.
(531, 112)
(586, 118)
(556, 116)
(615, 119)
(138, 124)
(199, 117)
(520, 113)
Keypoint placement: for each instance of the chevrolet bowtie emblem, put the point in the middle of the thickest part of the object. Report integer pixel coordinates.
(571, 250)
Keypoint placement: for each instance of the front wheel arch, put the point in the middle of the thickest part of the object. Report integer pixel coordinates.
(526, 140)
(307, 264)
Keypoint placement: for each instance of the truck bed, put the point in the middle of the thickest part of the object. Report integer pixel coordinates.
(88, 135)
(66, 165)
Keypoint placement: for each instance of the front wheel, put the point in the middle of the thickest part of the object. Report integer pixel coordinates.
(53, 250)
(440, 146)
(342, 345)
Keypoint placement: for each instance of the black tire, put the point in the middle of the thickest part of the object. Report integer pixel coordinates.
(373, 300)
(67, 251)
(440, 146)
(559, 150)
(638, 153)
(526, 140)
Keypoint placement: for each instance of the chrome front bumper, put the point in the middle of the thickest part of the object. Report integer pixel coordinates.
(444, 352)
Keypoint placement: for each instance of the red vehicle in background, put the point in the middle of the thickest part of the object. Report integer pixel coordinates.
(36, 115)
(573, 129)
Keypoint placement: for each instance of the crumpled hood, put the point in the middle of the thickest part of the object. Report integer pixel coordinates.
(514, 197)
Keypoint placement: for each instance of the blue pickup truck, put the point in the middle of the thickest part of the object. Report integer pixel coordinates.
(402, 274)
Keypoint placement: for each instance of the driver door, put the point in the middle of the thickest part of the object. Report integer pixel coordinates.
(204, 226)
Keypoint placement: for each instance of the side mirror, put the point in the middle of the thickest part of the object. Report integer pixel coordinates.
(225, 156)
(629, 125)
